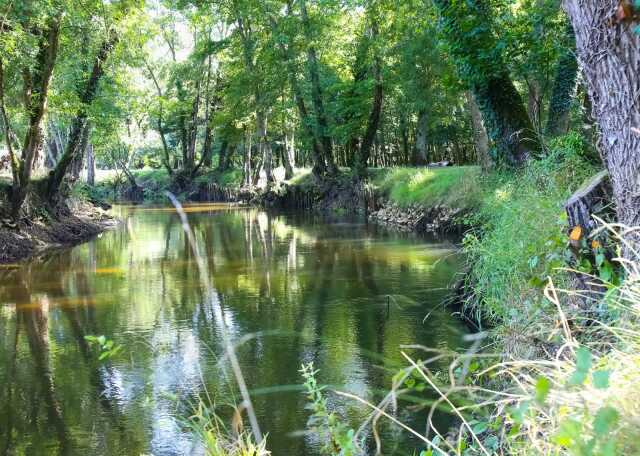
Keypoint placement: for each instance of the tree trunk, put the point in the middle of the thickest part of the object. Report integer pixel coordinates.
(534, 103)
(165, 148)
(288, 154)
(610, 61)
(264, 147)
(77, 164)
(79, 125)
(36, 105)
(316, 94)
(564, 89)
(376, 109)
(319, 164)
(483, 68)
(247, 160)
(91, 166)
(480, 138)
(421, 155)
(223, 163)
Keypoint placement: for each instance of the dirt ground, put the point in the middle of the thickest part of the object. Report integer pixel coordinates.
(30, 237)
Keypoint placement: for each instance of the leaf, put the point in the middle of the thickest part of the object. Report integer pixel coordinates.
(569, 432)
(601, 379)
(605, 420)
(600, 259)
(480, 427)
(543, 385)
(606, 272)
(583, 359)
(517, 413)
(577, 378)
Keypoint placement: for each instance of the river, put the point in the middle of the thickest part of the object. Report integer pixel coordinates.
(292, 289)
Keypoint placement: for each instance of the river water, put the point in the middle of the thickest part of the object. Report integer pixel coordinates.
(290, 289)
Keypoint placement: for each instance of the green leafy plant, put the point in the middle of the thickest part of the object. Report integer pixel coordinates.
(338, 438)
(106, 347)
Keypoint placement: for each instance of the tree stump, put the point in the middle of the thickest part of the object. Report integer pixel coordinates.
(589, 200)
(593, 198)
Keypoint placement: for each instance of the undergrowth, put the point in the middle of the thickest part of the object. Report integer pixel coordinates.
(520, 235)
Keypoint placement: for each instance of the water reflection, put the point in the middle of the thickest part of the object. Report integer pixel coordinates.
(342, 294)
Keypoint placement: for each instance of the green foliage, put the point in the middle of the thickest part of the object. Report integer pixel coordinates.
(337, 437)
(107, 348)
(520, 237)
(457, 187)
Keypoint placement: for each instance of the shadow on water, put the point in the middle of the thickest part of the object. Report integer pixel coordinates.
(342, 294)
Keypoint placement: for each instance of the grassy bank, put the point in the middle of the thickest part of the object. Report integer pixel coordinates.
(113, 186)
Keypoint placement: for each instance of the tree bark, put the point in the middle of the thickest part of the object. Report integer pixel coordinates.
(564, 89)
(222, 156)
(421, 157)
(91, 165)
(264, 147)
(36, 104)
(316, 94)
(79, 125)
(483, 68)
(77, 164)
(480, 138)
(610, 61)
(376, 110)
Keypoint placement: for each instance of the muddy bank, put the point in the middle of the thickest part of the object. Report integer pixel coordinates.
(351, 196)
(438, 219)
(32, 236)
(342, 195)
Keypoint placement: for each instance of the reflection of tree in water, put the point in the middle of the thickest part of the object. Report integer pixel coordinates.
(306, 291)
(33, 307)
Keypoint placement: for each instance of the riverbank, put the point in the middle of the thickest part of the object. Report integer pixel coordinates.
(43, 232)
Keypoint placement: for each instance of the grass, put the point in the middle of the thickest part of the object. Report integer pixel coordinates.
(456, 187)
(111, 185)
(520, 237)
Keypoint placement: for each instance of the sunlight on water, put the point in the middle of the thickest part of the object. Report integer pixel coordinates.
(341, 293)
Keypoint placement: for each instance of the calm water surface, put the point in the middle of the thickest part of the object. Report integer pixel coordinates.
(292, 290)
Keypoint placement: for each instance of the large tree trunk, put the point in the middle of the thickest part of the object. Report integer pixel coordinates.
(480, 138)
(316, 94)
(74, 146)
(247, 181)
(223, 163)
(483, 67)
(77, 164)
(36, 105)
(608, 53)
(376, 111)
(288, 154)
(564, 89)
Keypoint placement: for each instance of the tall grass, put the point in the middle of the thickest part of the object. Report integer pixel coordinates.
(520, 237)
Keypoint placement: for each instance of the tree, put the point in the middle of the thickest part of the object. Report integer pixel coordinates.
(610, 62)
(467, 28)
(36, 79)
